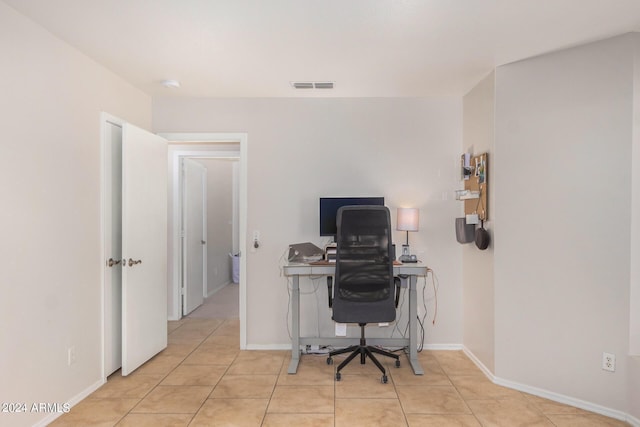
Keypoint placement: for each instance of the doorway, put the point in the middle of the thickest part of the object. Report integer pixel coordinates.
(202, 146)
(209, 230)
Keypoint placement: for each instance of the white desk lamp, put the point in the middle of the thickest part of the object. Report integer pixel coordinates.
(408, 219)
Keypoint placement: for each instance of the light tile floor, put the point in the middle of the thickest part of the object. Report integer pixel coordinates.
(202, 379)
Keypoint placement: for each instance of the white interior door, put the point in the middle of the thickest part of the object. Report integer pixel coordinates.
(113, 248)
(144, 246)
(194, 223)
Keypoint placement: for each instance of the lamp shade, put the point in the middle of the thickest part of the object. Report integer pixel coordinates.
(408, 219)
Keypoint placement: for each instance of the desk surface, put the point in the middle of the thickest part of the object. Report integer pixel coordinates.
(328, 268)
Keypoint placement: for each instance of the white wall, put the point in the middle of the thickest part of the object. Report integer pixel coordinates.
(634, 297)
(477, 265)
(50, 261)
(302, 149)
(634, 387)
(563, 205)
(634, 307)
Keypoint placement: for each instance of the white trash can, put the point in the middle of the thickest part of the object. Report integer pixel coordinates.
(235, 268)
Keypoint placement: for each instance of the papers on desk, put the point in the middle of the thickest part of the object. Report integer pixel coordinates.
(332, 253)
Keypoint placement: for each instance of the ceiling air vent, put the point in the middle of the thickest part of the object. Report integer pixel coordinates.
(312, 85)
(302, 85)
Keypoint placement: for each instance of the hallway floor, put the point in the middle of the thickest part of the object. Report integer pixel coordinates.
(203, 379)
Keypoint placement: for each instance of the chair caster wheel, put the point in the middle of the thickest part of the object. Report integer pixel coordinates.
(384, 379)
(329, 361)
(397, 363)
(338, 376)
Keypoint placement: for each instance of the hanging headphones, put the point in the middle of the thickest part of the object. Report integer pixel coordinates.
(482, 237)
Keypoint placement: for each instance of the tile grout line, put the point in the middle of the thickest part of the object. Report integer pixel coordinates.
(473, 391)
(395, 388)
(273, 390)
(458, 391)
(172, 370)
(219, 379)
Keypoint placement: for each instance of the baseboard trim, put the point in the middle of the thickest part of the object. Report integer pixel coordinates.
(228, 282)
(561, 398)
(269, 347)
(556, 397)
(479, 364)
(72, 402)
(454, 347)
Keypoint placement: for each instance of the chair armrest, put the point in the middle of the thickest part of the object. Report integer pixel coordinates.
(330, 290)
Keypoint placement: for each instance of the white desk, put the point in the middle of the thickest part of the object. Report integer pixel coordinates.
(411, 271)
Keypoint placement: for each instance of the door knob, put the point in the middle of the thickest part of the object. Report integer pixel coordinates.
(203, 242)
(112, 262)
(132, 262)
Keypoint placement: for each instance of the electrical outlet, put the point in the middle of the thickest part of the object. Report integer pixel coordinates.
(609, 362)
(71, 355)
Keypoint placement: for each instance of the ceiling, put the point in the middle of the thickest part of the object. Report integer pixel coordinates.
(385, 48)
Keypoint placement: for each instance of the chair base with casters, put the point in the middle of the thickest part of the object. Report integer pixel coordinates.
(364, 351)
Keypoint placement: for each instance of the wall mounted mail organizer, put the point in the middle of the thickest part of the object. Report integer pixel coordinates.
(474, 175)
(474, 171)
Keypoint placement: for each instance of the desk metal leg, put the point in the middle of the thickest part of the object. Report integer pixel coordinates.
(295, 325)
(413, 326)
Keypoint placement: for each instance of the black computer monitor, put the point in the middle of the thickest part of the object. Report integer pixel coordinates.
(329, 209)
